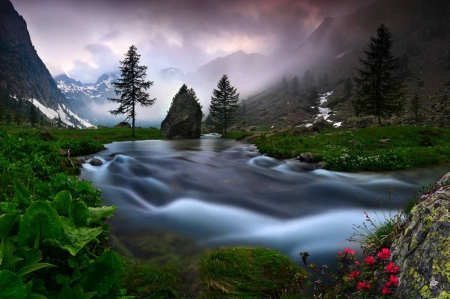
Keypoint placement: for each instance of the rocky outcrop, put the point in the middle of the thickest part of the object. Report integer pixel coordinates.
(423, 250)
(122, 125)
(184, 118)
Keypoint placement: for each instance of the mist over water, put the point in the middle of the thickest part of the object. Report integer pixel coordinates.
(221, 192)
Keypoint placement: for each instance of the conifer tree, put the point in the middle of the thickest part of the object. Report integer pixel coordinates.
(131, 87)
(378, 92)
(295, 85)
(190, 91)
(416, 107)
(33, 115)
(224, 103)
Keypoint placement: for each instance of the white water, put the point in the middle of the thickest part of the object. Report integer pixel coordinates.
(221, 192)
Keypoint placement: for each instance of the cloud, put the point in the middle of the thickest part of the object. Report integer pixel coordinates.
(86, 38)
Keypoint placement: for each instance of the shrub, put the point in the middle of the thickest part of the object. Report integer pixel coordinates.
(249, 273)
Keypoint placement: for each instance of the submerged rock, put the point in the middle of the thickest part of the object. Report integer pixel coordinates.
(184, 118)
(423, 250)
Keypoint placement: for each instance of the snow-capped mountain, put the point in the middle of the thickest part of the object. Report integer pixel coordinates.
(84, 95)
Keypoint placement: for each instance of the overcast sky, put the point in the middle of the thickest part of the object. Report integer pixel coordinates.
(86, 38)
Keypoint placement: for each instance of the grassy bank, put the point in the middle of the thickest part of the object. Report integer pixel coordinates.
(371, 149)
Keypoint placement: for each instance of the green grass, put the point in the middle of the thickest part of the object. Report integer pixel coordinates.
(358, 150)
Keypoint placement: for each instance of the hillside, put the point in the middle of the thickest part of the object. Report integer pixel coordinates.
(420, 35)
(25, 82)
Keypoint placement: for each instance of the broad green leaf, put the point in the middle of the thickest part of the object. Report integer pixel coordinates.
(113, 259)
(87, 295)
(76, 238)
(31, 268)
(66, 292)
(79, 213)
(40, 222)
(36, 296)
(62, 202)
(6, 223)
(6, 247)
(11, 286)
(100, 212)
(9, 261)
(99, 277)
(22, 193)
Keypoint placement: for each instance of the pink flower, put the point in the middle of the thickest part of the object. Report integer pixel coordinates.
(391, 268)
(348, 250)
(362, 285)
(370, 260)
(386, 291)
(339, 254)
(354, 274)
(357, 264)
(385, 253)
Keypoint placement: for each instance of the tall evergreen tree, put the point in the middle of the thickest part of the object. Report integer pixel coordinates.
(33, 115)
(416, 107)
(224, 103)
(348, 88)
(378, 91)
(295, 85)
(190, 91)
(131, 87)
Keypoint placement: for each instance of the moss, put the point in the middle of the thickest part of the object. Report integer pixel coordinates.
(425, 292)
(414, 244)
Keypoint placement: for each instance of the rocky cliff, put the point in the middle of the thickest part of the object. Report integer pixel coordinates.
(423, 250)
(24, 78)
(183, 119)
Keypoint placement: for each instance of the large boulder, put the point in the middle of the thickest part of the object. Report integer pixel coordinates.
(423, 249)
(184, 118)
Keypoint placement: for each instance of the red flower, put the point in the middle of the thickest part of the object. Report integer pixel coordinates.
(357, 264)
(393, 281)
(339, 254)
(391, 268)
(386, 291)
(348, 250)
(362, 285)
(354, 274)
(370, 260)
(385, 253)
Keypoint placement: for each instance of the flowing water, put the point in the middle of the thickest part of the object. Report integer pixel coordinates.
(221, 192)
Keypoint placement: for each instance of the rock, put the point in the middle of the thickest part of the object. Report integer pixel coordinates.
(384, 141)
(305, 157)
(122, 125)
(184, 118)
(423, 249)
(95, 162)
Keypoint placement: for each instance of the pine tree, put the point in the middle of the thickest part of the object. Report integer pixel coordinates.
(308, 80)
(190, 91)
(33, 115)
(348, 88)
(416, 107)
(131, 87)
(295, 85)
(378, 92)
(224, 103)
(313, 95)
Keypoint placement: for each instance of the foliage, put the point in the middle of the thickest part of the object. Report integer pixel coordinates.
(248, 273)
(81, 146)
(378, 91)
(152, 282)
(131, 87)
(356, 150)
(224, 105)
(376, 277)
(381, 231)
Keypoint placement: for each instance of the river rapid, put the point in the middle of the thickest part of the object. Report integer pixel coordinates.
(220, 192)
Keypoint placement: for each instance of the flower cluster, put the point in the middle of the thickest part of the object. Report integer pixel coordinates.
(374, 278)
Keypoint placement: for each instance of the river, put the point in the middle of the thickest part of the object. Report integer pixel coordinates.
(220, 192)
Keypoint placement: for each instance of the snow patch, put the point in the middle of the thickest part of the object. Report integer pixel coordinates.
(343, 54)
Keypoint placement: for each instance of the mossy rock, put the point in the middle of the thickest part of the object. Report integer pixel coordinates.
(248, 273)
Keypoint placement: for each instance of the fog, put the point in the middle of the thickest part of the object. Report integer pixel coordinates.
(85, 39)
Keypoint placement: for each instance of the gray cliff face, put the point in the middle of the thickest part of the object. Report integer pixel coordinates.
(423, 250)
(183, 119)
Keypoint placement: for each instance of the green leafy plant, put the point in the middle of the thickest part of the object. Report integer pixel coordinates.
(249, 273)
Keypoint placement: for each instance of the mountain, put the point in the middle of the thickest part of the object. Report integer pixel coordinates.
(171, 73)
(420, 33)
(247, 72)
(24, 78)
(85, 96)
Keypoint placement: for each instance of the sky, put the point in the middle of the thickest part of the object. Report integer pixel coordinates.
(86, 38)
